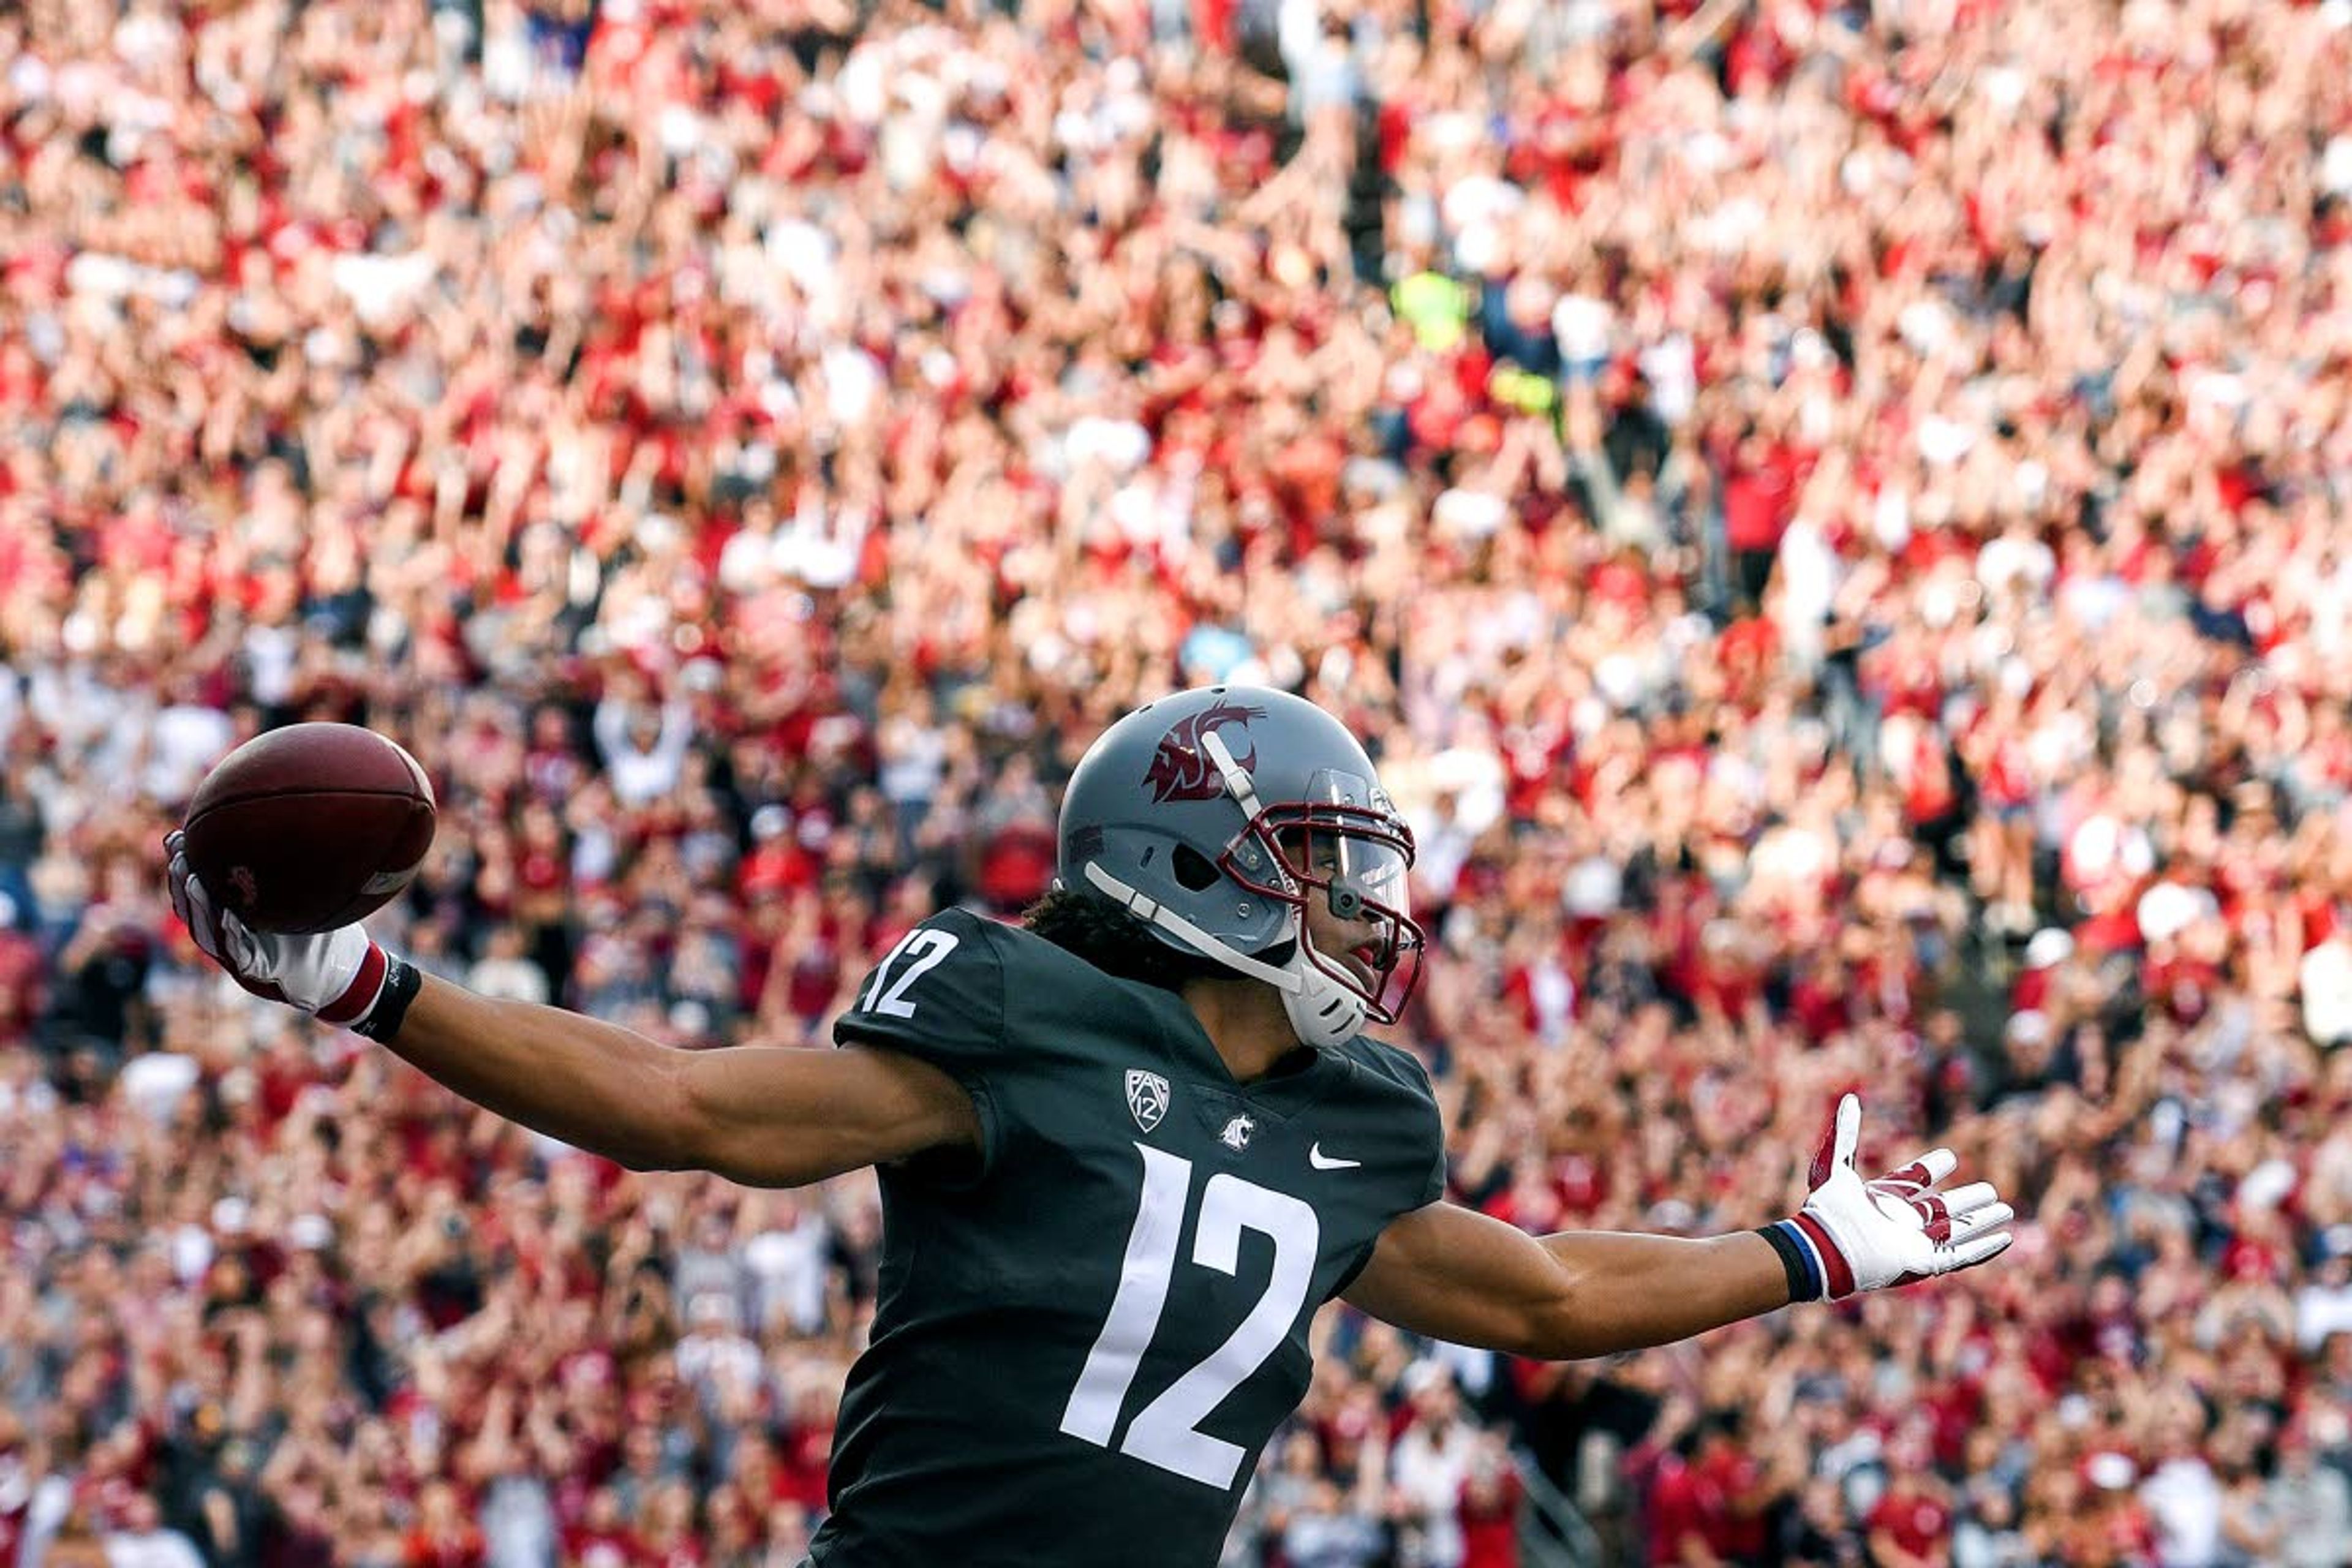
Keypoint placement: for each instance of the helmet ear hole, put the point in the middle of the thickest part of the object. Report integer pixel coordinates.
(1195, 871)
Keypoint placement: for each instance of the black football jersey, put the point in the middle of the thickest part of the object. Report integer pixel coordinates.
(1085, 1335)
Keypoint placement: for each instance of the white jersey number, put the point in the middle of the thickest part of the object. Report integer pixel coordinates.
(926, 948)
(1167, 1432)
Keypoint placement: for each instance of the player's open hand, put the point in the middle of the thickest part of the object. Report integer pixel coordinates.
(336, 976)
(1855, 1235)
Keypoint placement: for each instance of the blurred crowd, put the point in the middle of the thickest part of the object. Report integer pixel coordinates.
(1831, 516)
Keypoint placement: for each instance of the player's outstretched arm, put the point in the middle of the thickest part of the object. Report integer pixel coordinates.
(1456, 1275)
(765, 1116)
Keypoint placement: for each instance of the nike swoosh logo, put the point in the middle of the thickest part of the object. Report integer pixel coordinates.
(1322, 1162)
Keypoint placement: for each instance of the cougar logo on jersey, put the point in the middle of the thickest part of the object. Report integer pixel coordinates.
(1180, 770)
(1236, 1136)
(1147, 1098)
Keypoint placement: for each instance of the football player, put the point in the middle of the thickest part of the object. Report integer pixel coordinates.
(1126, 1152)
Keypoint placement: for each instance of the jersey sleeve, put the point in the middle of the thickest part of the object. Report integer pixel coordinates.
(1411, 1109)
(939, 996)
(1430, 1127)
(1438, 1174)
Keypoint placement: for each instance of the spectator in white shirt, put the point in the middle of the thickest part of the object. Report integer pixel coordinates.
(144, 1542)
(505, 970)
(1430, 1463)
(644, 749)
(2310, 1504)
(2323, 1305)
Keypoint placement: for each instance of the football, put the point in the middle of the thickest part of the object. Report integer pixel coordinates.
(309, 827)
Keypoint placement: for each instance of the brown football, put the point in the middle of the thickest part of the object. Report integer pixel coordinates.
(309, 827)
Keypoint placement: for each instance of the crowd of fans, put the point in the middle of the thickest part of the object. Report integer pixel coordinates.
(1831, 517)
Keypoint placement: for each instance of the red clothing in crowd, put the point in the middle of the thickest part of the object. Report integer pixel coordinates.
(1490, 1522)
(461, 1548)
(1704, 1497)
(1759, 498)
(1915, 1522)
(584, 1547)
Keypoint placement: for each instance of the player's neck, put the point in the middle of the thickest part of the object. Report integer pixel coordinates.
(1245, 1021)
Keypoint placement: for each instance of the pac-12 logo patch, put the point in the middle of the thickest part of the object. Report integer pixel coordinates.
(1180, 770)
(1147, 1098)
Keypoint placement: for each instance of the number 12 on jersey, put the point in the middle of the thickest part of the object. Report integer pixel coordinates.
(1166, 1432)
(925, 947)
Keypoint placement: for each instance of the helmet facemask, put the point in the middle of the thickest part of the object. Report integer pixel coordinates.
(1346, 846)
(1353, 860)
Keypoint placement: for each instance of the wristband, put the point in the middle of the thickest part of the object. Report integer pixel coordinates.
(1829, 1273)
(1805, 1283)
(402, 981)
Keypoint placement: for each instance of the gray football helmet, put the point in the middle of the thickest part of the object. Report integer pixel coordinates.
(1213, 815)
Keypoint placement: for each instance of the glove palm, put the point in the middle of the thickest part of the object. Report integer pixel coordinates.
(1855, 1235)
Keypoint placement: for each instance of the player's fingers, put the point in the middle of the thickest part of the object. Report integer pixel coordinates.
(172, 842)
(1984, 1222)
(1964, 1201)
(1968, 1254)
(203, 921)
(1927, 1169)
(244, 950)
(175, 883)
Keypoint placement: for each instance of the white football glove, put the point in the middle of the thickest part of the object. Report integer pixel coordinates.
(336, 976)
(1854, 1235)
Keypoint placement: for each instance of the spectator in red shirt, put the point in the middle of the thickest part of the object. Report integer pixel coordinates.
(1492, 1502)
(1912, 1525)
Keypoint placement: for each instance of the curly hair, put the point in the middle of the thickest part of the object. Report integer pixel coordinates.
(1113, 940)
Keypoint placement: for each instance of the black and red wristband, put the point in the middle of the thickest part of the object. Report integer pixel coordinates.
(402, 981)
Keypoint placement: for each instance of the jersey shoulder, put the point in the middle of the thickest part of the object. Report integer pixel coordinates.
(1060, 1005)
(1006, 1014)
(1391, 1069)
(1047, 972)
(939, 994)
(961, 989)
(1390, 1090)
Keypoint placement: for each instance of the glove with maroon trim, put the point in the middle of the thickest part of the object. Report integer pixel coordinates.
(1854, 1235)
(336, 976)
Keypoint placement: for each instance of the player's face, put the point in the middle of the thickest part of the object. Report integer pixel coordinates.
(1349, 885)
(1357, 909)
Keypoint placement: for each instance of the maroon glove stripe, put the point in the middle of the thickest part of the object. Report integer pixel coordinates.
(1938, 1215)
(1834, 1267)
(361, 994)
(1824, 1156)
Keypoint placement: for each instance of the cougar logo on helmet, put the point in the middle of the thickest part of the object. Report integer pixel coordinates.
(1180, 770)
